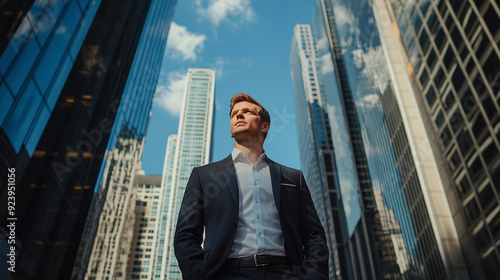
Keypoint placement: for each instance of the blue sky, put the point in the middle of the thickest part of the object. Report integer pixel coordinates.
(248, 44)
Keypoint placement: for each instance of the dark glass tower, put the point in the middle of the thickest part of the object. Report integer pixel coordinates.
(65, 72)
(452, 49)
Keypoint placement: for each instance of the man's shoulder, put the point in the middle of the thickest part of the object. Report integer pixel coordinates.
(287, 169)
(216, 164)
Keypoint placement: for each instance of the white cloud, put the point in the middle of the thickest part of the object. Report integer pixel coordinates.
(220, 10)
(326, 63)
(373, 65)
(369, 101)
(181, 42)
(219, 65)
(169, 94)
(343, 16)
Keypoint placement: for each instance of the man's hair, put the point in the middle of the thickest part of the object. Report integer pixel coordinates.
(241, 97)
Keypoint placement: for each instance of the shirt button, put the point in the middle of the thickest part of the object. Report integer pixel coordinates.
(256, 201)
(260, 234)
(258, 217)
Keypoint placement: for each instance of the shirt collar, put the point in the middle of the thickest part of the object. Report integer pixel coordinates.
(239, 156)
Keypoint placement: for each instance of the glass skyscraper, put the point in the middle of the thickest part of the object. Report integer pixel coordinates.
(191, 147)
(66, 68)
(315, 140)
(394, 218)
(451, 55)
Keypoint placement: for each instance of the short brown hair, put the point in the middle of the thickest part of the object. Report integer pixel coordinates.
(241, 97)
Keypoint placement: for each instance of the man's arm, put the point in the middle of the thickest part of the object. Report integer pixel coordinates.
(189, 230)
(313, 237)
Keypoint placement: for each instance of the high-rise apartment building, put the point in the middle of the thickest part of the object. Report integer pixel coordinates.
(395, 222)
(449, 52)
(65, 67)
(191, 147)
(147, 206)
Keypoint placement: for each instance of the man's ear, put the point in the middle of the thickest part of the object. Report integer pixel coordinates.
(265, 126)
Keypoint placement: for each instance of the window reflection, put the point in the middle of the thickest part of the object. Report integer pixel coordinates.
(23, 113)
(22, 65)
(57, 46)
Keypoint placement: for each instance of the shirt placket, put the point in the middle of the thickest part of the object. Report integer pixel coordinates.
(259, 227)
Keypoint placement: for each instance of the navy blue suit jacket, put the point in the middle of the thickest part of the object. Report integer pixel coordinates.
(211, 203)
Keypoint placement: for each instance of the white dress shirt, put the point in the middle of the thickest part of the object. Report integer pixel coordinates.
(259, 228)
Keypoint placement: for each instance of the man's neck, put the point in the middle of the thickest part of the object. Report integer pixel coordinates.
(252, 150)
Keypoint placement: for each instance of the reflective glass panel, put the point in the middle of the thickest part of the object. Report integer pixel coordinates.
(22, 65)
(6, 100)
(57, 46)
(18, 123)
(36, 133)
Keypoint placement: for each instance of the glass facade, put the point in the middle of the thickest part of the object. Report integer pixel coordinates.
(452, 48)
(65, 72)
(35, 64)
(316, 152)
(191, 147)
(393, 235)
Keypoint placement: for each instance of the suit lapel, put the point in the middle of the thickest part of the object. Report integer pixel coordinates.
(227, 168)
(274, 168)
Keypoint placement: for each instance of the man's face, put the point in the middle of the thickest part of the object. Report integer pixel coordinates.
(245, 120)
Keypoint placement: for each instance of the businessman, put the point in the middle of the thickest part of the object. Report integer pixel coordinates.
(246, 216)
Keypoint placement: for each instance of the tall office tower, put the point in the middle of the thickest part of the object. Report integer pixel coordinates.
(365, 134)
(115, 230)
(191, 147)
(147, 206)
(315, 140)
(450, 54)
(64, 66)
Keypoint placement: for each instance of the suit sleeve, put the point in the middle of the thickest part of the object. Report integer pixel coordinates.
(189, 231)
(313, 237)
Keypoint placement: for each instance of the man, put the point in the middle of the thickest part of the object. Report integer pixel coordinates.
(248, 217)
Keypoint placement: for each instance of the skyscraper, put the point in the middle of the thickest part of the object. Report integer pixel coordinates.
(64, 69)
(109, 256)
(397, 224)
(315, 140)
(191, 147)
(450, 52)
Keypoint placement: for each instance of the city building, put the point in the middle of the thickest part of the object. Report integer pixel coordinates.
(395, 221)
(109, 257)
(191, 147)
(316, 152)
(65, 69)
(448, 52)
(147, 206)
(163, 237)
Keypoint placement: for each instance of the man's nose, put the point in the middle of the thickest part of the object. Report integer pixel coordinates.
(240, 115)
